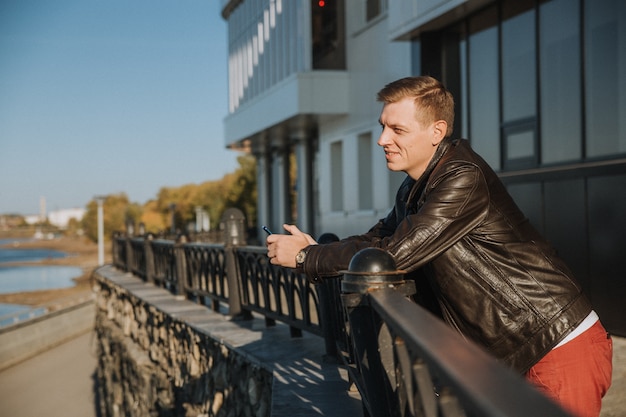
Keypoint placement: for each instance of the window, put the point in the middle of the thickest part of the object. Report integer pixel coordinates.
(560, 79)
(605, 84)
(336, 176)
(374, 8)
(484, 97)
(518, 61)
(327, 34)
(365, 172)
(520, 144)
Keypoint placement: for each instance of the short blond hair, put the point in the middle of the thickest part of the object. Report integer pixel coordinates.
(432, 100)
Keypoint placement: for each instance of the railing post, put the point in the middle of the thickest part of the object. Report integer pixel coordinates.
(373, 269)
(233, 221)
(129, 254)
(147, 241)
(181, 265)
(329, 296)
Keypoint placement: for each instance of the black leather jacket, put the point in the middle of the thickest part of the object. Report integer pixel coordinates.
(495, 279)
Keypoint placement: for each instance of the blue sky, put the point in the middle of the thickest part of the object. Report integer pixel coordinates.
(100, 97)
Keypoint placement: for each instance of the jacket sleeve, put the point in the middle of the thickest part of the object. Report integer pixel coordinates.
(455, 201)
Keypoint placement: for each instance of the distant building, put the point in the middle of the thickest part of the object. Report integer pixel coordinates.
(57, 218)
(61, 218)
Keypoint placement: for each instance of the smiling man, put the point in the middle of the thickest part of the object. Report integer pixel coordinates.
(476, 259)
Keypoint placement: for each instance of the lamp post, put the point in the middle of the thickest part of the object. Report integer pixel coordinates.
(100, 201)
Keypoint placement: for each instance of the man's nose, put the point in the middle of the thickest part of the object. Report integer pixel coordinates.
(383, 139)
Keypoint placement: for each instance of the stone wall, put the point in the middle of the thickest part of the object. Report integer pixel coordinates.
(156, 359)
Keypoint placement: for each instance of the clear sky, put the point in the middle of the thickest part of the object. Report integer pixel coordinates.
(100, 97)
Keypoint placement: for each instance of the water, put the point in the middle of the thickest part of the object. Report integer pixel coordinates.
(14, 254)
(13, 313)
(33, 278)
(30, 278)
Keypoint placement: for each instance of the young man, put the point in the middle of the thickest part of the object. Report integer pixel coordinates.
(489, 272)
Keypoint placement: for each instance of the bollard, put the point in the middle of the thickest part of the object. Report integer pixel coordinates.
(373, 269)
(233, 221)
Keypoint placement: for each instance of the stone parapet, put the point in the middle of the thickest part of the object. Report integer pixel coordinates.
(161, 355)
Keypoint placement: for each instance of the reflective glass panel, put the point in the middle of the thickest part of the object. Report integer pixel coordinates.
(559, 43)
(484, 123)
(518, 61)
(605, 83)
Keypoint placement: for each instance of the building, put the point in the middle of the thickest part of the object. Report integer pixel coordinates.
(61, 218)
(540, 89)
(58, 218)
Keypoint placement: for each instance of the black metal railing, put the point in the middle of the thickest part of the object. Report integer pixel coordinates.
(205, 275)
(403, 360)
(277, 293)
(164, 266)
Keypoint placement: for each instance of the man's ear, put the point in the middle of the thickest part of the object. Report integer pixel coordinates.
(440, 128)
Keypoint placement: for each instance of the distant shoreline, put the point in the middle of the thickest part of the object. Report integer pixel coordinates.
(81, 253)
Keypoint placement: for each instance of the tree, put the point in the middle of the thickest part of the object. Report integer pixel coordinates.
(117, 213)
(237, 189)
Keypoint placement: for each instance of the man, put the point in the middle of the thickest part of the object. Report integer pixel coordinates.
(455, 227)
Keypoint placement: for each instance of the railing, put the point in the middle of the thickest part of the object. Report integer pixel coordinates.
(277, 293)
(404, 361)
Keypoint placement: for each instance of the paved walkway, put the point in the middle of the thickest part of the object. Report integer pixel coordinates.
(614, 403)
(56, 383)
(59, 383)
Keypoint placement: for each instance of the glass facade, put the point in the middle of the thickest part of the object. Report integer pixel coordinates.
(268, 41)
(538, 89)
(266, 44)
(484, 86)
(518, 62)
(560, 75)
(605, 84)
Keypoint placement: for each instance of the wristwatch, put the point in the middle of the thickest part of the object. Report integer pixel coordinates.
(300, 257)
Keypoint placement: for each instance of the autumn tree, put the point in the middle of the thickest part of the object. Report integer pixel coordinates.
(118, 211)
(237, 189)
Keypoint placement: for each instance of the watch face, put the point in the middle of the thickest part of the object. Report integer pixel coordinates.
(300, 257)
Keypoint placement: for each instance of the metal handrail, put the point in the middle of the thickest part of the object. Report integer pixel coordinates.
(438, 372)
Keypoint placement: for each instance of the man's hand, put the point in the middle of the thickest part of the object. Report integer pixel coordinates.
(282, 249)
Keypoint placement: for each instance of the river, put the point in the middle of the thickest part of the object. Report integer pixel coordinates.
(31, 277)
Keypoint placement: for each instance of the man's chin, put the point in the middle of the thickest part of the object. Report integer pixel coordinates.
(393, 167)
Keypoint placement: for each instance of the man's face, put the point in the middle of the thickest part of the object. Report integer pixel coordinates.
(408, 145)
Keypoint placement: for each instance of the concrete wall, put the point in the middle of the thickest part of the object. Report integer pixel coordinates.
(26, 339)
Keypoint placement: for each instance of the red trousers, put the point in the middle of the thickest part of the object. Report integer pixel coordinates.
(577, 374)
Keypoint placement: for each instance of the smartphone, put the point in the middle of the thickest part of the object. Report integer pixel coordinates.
(268, 231)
